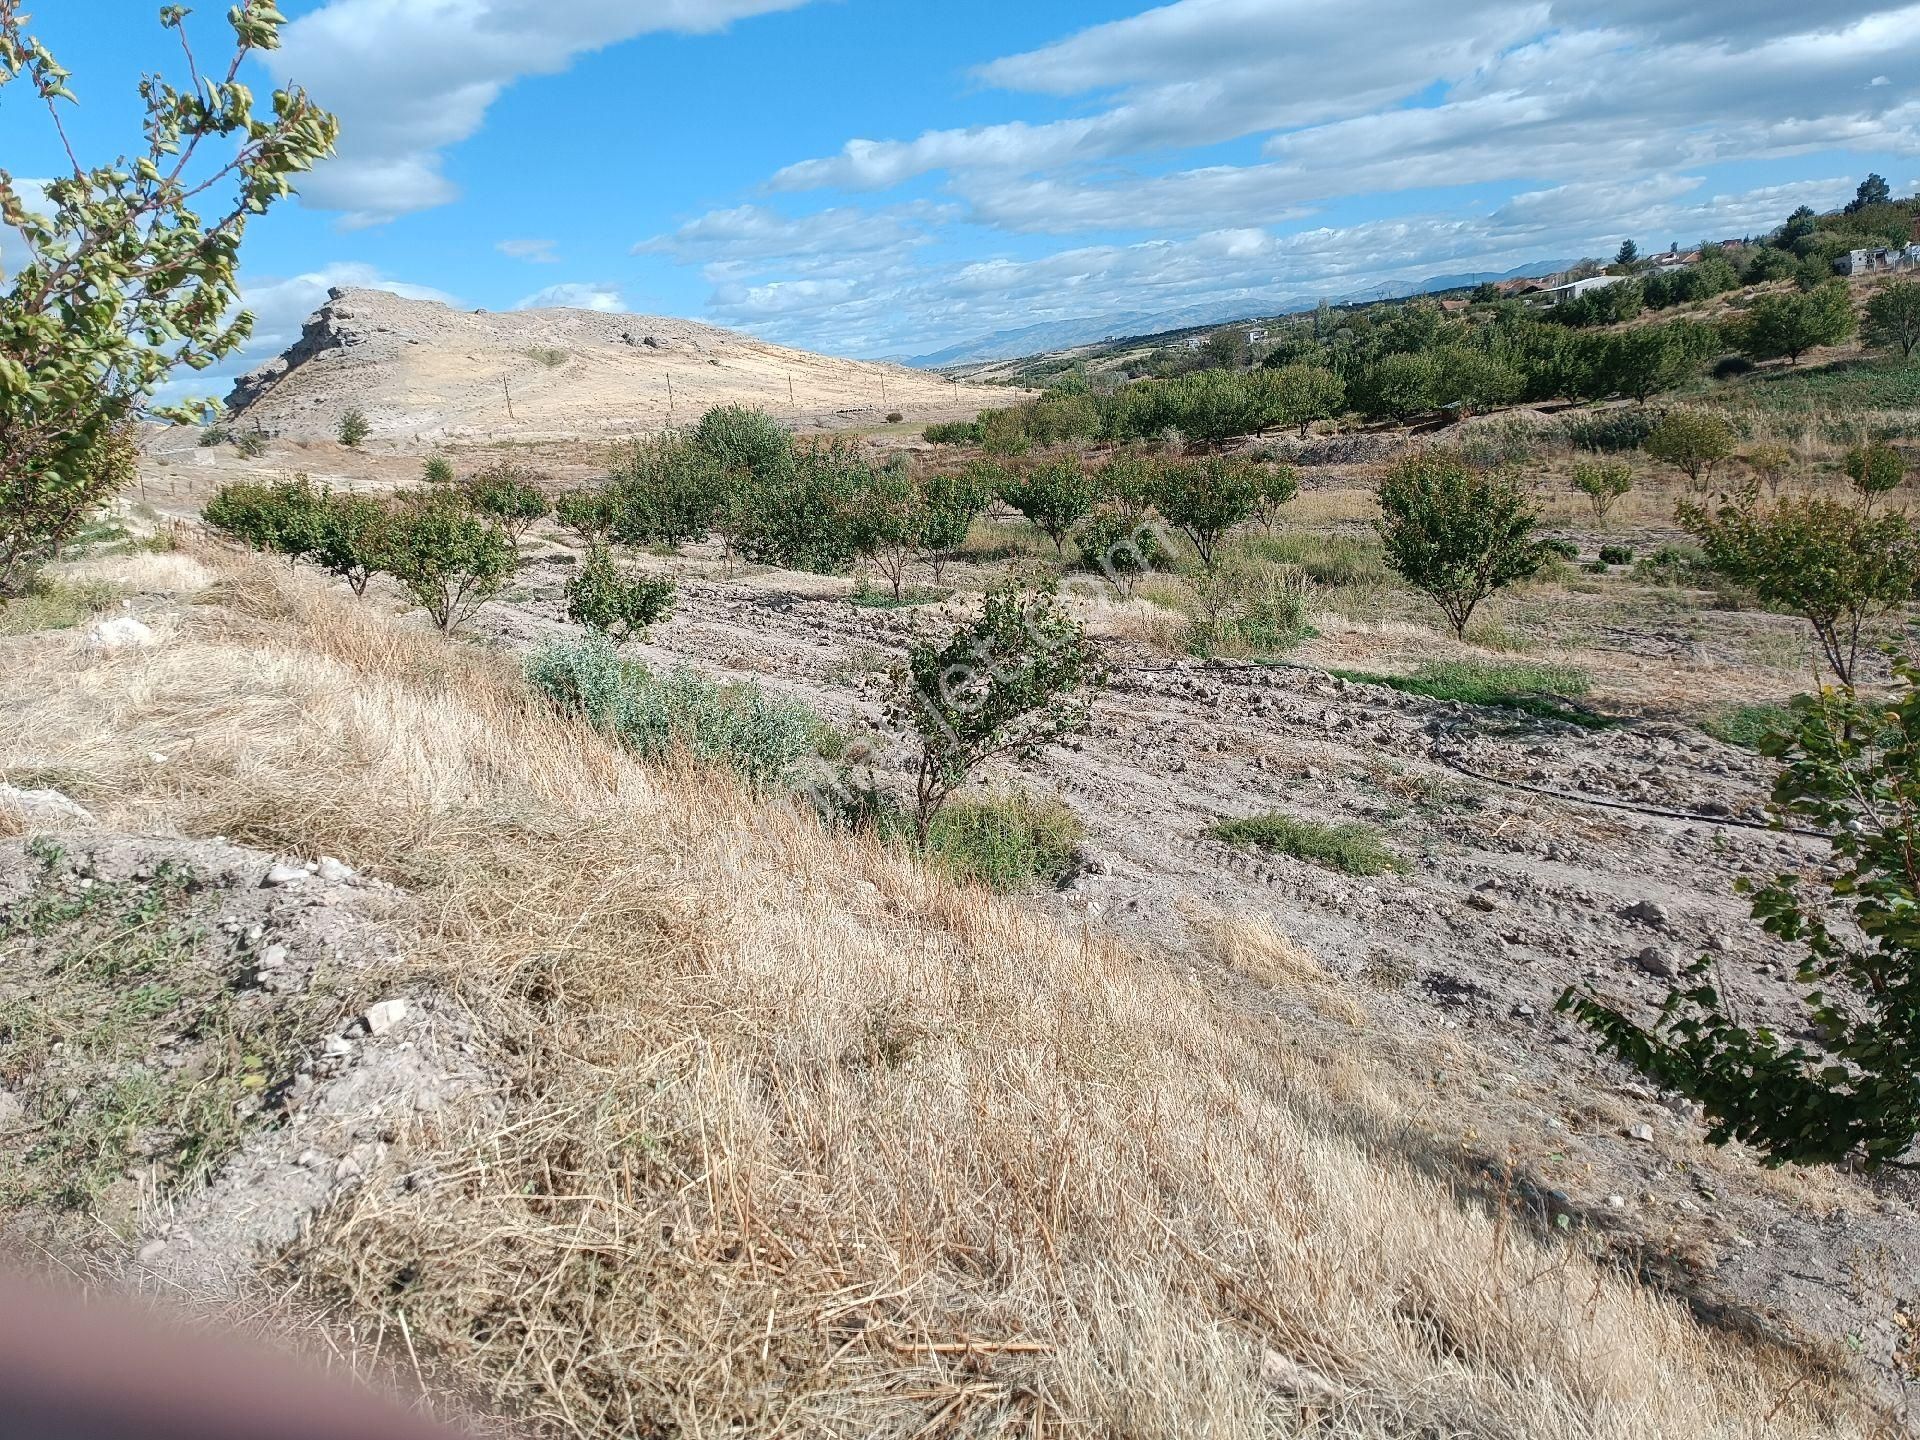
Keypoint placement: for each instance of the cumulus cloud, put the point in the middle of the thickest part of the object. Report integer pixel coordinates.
(576, 296)
(409, 78)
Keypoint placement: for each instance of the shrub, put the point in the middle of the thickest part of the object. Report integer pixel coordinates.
(1014, 679)
(1055, 496)
(1731, 367)
(1618, 430)
(112, 281)
(1835, 566)
(1771, 463)
(601, 599)
(953, 432)
(1206, 499)
(1875, 470)
(1006, 842)
(1616, 554)
(1248, 611)
(761, 739)
(1354, 849)
(250, 444)
(1674, 565)
(1603, 482)
(349, 537)
(1560, 549)
(437, 470)
(509, 494)
(894, 417)
(1455, 534)
(1851, 769)
(354, 428)
(450, 560)
(1692, 441)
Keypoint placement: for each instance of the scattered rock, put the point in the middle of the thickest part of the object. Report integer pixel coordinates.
(381, 1018)
(283, 874)
(1655, 961)
(1640, 1132)
(332, 870)
(1648, 912)
(123, 632)
(45, 807)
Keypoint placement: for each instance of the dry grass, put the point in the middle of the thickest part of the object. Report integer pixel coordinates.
(801, 1139)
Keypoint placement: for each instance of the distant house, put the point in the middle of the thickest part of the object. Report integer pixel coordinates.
(1193, 342)
(1454, 307)
(1875, 259)
(1574, 289)
(1510, 288)
(1256, 335)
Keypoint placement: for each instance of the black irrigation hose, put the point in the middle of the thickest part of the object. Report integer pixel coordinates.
(1455, 763)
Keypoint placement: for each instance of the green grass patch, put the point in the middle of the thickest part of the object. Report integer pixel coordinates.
(1847, 385)
(872, 597)
(1007, 842)
(1747, 726)
(1542, 690)
(1326, 559)
(1354, 849)
(54, 606)
(100, 979)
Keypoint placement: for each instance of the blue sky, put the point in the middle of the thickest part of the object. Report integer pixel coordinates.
(878, 177)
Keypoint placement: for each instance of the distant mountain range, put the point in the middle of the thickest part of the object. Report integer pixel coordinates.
(1092, 329)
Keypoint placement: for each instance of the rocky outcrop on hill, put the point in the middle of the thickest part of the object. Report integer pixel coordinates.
(422, 371)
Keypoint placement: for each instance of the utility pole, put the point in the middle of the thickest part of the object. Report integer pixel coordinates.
(790, 398)
(507, 390)
(669, 400)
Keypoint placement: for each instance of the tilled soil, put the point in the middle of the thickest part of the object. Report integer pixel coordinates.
(1538, 855)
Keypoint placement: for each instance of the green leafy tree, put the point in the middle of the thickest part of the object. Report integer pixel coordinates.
(586, 511)
(1875, 470)
(1055, 495)
(1274, 486)
(1649, 359)
(1790, 324)
(744, 440)
(1468, 379)
(354, 428)
(600, 598)
(668, 489)
(1456, 534)
(1302, 394)
(1207, 499)
(1603, 482)
(509, 494)
(803, 518)
(1118, 542)
(953, 500)
(1399, 387)
(1018, 677)
(1893, 317)
(124, 281)
(349, 538)
(1771, 462)
(1850, 768)
(284, 518)
(1873, 190)
(1692, 441)
(1800, 225)
(889, 516)
(437, 470)
(1835, 566)
(450, 559)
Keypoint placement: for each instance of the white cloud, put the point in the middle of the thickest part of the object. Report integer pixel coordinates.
(409, 78)
(576, 296)
(534, 252)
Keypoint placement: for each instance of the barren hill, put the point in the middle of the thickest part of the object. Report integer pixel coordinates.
(422, 370)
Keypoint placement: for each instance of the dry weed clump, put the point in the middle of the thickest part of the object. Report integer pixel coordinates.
(800, 1139)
